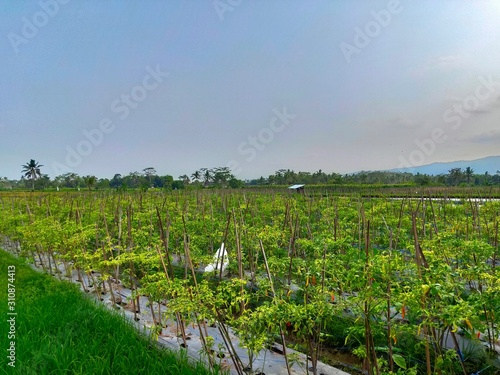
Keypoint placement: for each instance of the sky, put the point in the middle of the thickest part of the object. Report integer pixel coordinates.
(105, 87)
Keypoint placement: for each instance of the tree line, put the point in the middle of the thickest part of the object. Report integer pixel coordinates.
(454, 177)
(221, 177)
(33, 178)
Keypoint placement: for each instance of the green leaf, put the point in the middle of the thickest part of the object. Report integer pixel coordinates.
(399, 360)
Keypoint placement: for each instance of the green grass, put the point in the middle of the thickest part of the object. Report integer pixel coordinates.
(61, 331)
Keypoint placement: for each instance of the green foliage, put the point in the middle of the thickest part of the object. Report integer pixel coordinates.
(58, 331)
(342, 268)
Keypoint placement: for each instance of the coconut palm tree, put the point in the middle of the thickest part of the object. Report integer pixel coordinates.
(32, 172)
(207, 175)
(469, 172)
(196, 176)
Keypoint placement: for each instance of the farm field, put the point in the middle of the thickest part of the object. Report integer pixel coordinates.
(59, 331)
(406, 285)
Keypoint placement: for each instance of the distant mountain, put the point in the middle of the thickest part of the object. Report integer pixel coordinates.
(490, 164)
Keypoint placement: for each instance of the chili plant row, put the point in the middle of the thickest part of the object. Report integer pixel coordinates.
(409, 285)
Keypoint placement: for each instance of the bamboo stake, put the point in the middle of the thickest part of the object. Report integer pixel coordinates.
(199, 321)
(276, 302)
(240, 262)
(418, 261)
(164, 240)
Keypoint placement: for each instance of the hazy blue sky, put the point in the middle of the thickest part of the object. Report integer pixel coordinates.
(104, 87)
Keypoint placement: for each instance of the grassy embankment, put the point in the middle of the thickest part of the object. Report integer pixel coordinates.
(60, 331)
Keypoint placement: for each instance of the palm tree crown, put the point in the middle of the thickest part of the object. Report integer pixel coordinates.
(31, 171)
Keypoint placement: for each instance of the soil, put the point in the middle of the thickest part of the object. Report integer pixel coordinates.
(340, 359)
